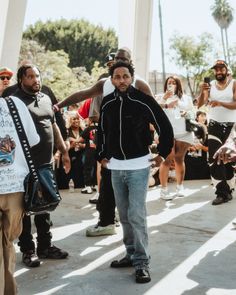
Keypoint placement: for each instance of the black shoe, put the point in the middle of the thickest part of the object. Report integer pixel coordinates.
(30, 259)
(52, 253)
(93, 201)
(142, 276)
(124, 262)
(219, 200)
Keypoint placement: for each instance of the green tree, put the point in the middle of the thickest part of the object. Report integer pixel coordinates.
(55, 70)
(84, 42)
(192, 56)
(222, 12)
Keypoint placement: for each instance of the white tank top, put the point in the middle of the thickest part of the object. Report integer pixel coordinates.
(221, 114)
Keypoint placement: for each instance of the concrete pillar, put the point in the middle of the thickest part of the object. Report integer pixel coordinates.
(135, 23)
(12, 15)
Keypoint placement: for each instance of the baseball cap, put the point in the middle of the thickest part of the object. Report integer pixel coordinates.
(110, 57)
(220, 63)
(6, 71)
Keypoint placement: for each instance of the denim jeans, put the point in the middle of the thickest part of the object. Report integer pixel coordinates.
(130, 189)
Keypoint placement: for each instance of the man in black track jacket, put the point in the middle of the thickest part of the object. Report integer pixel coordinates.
(123, 147)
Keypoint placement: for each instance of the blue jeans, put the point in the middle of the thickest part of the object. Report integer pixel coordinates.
(130, 189)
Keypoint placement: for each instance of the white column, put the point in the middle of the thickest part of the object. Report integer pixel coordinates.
(135, 23)
(12, 15)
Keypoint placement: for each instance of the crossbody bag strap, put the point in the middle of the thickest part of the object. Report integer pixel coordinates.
(22, 135)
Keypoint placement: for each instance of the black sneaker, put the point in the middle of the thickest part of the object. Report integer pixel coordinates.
(30, 259)
(52, 253)
(219, 200)
(142, 276)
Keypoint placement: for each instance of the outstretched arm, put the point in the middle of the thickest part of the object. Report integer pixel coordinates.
(95, 90)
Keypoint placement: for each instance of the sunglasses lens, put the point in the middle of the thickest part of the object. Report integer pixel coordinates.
(5, 77)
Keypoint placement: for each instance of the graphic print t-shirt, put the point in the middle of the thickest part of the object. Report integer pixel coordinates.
(13, 166)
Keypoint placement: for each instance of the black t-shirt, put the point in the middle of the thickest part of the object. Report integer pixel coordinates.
(40, 108)
(48, 91)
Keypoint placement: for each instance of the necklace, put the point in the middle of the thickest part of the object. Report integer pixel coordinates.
(222, 86)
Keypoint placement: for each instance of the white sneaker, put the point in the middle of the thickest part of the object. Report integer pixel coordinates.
(94, 199)
(97, 230)
(164, 194)
(87, 190)
(180, 190)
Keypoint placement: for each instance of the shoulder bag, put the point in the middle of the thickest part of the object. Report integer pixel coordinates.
(41, 191)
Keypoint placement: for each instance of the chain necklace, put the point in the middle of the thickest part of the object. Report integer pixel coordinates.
(220, 86)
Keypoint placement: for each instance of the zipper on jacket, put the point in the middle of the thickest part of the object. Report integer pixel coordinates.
(121, 104)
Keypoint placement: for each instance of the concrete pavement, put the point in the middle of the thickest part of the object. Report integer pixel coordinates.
(192, 247)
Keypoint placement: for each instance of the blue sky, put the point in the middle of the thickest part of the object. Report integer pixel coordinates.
(187, 17)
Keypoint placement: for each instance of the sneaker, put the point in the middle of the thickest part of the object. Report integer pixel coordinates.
(87, 190)
(142, 276)
(180, 190)
(219, 200)
(124, 262)
(164, 194)
(30, 259)
(94, 199)
(101, 231)
(52, 252)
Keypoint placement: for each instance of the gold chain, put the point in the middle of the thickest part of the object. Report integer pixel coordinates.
(224, 85)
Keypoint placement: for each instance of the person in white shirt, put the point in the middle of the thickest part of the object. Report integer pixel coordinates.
(13, 170)
(220, 94)
(176, 106)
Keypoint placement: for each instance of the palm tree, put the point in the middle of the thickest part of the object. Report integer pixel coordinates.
(222, 12)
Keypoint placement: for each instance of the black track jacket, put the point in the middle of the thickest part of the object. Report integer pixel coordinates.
(123, 130)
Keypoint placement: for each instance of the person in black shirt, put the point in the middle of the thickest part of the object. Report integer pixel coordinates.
(40, 108)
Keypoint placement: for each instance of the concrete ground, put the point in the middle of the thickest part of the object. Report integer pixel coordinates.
(192, 247)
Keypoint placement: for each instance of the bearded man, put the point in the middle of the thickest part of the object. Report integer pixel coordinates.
(220, 94)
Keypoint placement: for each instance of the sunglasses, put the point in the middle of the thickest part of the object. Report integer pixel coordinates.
(5, 77)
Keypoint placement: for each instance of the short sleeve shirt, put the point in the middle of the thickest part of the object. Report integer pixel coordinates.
(40, 108)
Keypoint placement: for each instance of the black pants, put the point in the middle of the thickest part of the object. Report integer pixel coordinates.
(76, 171)
(44, 236)
(223, 173)
(90, 167)
(106, 201)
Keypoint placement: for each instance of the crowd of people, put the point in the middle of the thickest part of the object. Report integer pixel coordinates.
(105, 140)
